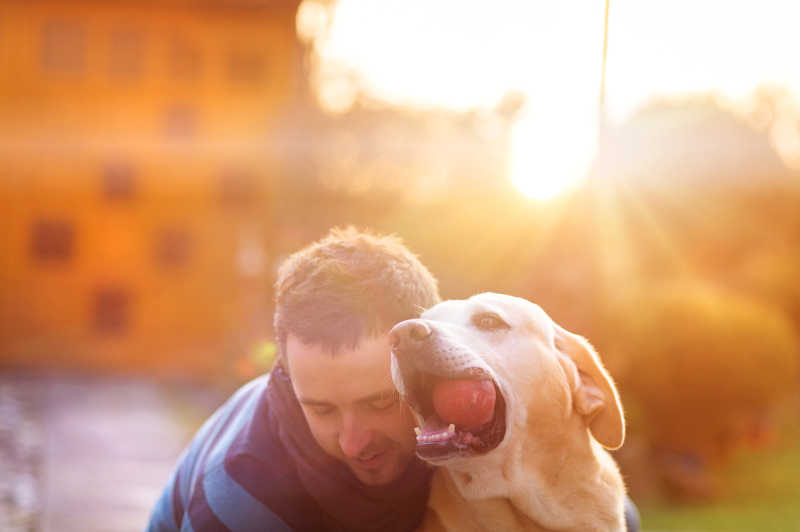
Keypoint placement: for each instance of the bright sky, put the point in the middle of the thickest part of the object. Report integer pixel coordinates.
(463, 54)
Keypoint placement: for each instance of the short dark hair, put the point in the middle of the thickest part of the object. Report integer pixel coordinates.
(348, 286)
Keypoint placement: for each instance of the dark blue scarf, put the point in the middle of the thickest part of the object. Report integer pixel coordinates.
(344, 502)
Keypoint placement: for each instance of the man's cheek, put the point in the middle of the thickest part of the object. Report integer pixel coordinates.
(400, 427)
(324, 437)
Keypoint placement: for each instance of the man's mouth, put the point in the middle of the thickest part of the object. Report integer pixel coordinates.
(463, 415)
(370, 461)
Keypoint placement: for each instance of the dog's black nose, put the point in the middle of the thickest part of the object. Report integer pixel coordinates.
(409, 333)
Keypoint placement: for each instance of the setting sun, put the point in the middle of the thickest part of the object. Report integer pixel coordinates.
(551, 154)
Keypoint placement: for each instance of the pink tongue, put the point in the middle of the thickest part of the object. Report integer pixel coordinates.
(467, 403)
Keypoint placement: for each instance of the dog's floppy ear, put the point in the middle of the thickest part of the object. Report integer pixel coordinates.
(593, 391)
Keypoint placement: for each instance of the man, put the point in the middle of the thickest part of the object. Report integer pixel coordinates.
(323, 442)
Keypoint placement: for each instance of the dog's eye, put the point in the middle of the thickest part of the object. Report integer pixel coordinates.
(489, 322)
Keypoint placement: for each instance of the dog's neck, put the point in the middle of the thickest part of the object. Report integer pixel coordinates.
(574, 472)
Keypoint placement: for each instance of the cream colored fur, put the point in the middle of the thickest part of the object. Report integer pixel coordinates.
(551, 471)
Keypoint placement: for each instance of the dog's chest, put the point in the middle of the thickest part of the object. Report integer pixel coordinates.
(449, 511)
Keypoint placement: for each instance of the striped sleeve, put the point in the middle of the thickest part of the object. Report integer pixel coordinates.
(201, 496)
(220, 503)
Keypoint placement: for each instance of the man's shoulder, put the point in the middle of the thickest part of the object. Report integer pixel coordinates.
(227, 477)
(251, 476)
(213, 441)
(231, 449)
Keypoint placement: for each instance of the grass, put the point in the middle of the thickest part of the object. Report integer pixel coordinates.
(762, 495)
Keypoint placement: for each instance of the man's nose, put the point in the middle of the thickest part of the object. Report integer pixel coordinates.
(354, 437)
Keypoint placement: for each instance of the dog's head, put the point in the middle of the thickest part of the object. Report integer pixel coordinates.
(516, 369)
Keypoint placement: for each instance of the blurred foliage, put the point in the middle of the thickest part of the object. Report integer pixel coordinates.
(706, 365)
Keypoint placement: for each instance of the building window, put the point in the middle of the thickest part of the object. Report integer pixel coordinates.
(172, 247)
(181, 122)
(119, 182)
(126, 52)
(52, 240)
(185, 61)
(248, 67)
(237, 189)
(64, 47)
(110, 311)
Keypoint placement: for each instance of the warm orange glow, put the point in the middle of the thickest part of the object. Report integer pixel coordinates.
(117, 132)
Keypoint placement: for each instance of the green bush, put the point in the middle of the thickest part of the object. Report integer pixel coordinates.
(704, 364)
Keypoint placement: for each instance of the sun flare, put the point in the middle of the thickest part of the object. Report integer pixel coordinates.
(463, 56)
(468, 55)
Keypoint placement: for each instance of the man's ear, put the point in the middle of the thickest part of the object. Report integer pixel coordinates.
(594, 395)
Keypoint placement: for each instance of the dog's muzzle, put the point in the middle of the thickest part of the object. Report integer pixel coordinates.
(426, 367)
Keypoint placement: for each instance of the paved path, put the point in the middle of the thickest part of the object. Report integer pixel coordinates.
(89, 454)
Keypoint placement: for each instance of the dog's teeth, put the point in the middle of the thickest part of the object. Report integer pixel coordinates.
(436, 436)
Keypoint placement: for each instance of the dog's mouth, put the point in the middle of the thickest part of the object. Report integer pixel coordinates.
(463, 415)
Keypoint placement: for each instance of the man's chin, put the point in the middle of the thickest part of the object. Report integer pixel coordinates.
(375, 477)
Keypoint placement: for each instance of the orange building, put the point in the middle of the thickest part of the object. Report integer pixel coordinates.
(135, 178)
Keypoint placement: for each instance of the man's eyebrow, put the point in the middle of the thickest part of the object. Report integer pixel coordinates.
(312, 402)
(383, 394)
(389, 393)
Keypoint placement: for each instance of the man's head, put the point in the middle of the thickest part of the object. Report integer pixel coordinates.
(335, 303)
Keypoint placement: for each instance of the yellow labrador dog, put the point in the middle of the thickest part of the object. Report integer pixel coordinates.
(515, 411)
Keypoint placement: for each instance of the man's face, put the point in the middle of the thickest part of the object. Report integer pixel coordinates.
(352, 408)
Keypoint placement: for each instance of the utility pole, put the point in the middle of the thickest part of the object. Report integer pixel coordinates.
(602, 114)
